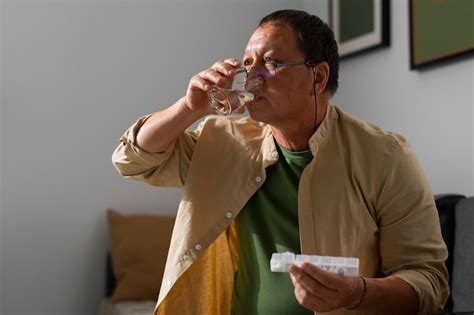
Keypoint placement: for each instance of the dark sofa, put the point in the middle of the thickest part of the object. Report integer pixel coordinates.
(456, 216)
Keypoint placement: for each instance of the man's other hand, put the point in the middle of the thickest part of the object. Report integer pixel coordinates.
(322, 291)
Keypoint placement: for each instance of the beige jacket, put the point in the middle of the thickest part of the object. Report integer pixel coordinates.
(363, 195)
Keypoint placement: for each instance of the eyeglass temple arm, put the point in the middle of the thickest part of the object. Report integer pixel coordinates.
(309, 63)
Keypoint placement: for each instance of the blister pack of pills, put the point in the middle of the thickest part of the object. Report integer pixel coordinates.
(344, 266)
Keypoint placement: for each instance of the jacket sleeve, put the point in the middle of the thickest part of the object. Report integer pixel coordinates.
(168, 168)
(411, 244)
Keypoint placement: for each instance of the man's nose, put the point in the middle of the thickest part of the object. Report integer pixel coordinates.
(258, 72)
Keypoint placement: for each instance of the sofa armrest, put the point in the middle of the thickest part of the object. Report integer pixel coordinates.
(446, 204)
(463, 255)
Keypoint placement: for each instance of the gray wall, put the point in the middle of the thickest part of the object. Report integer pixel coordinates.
(76, 74)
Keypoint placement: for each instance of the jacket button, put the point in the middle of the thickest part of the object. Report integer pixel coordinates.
(198, 247)
(228, 214)
(258, 179)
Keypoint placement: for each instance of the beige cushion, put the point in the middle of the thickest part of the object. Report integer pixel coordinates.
(139, 246)
(126, 307)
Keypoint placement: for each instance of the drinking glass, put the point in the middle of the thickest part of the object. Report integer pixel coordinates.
(225, 100)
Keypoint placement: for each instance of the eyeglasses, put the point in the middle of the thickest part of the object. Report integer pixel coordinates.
(272, 67)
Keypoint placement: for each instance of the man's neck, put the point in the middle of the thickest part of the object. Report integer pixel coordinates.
(294, 139)
(295, 136)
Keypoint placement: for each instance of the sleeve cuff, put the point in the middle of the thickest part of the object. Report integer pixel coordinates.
(129, 159)
(430, 296)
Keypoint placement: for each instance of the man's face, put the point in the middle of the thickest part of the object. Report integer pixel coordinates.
(287, 96)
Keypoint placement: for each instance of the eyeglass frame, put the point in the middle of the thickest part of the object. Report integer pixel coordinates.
(306, 62)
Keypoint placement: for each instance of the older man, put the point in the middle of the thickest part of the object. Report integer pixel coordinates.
(298, 175)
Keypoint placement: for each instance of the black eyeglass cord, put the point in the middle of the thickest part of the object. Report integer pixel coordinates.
(315, 100)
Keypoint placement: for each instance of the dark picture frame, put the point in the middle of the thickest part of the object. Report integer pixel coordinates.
(440, 31)
(360, 25)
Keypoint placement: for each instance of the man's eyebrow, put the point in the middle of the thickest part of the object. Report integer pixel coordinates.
(264, 48)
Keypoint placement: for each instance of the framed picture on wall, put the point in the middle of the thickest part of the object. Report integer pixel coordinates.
(440, 30)
(360, 25)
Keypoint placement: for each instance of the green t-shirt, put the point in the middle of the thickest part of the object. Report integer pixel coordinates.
(268, 224)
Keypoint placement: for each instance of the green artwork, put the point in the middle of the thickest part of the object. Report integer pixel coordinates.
(440, 29)
(356, 18)
(360, 25)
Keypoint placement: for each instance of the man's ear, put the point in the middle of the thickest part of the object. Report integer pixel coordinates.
(317, 76)
(321, 75)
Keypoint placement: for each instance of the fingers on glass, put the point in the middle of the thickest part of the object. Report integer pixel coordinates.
(233, 61)
(213, 76)
(201, 83)
(224, 68)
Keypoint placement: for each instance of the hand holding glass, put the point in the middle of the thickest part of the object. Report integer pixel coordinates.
(224, 101)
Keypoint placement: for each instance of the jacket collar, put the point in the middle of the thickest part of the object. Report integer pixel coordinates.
(322, 133)
(315, 141)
